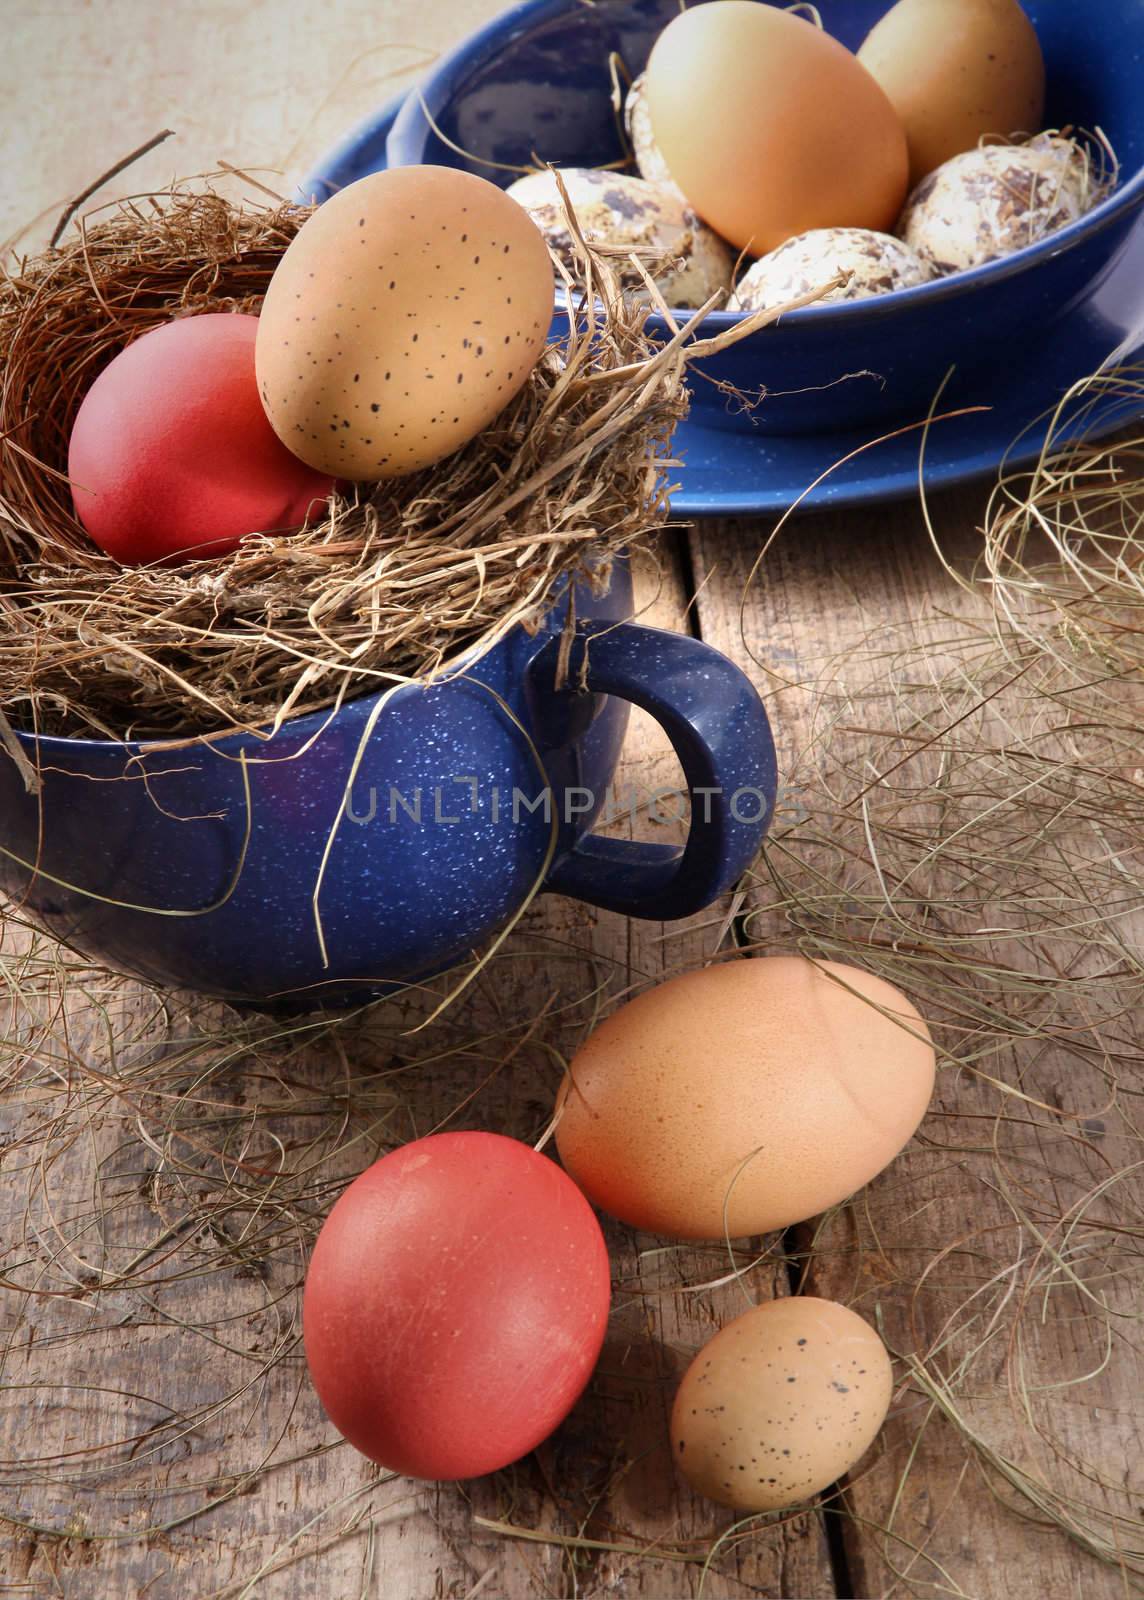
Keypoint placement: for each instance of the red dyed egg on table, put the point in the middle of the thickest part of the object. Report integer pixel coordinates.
(171, 455)
(455, 1305)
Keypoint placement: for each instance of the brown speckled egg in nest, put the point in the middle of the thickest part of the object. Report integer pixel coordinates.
(405, 316)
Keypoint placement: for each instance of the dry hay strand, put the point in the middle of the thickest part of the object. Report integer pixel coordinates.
(1064, 543)
(391, 584)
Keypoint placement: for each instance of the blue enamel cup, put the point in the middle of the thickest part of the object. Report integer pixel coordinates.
(386, 841)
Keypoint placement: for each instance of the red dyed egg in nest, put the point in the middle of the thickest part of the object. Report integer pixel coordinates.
(171, 455)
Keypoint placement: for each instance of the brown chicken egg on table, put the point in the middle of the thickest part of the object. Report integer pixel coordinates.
(873, 263)
(631, 216)
(955, 71)
(404, 316)
(780, 1404)
(771, 127)
(744, 1097)
(990, 202)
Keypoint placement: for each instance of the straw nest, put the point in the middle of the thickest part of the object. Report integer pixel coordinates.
(393, 581)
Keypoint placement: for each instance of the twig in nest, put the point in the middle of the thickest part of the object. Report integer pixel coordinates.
(112, 172)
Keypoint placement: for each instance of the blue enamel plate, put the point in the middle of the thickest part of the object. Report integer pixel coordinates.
(733, 474)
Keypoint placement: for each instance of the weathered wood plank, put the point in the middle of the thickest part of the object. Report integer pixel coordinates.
(928, 1519)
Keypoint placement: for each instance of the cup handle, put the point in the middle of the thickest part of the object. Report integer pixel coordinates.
(715, 720)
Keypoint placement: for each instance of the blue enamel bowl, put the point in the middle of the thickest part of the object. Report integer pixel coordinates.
(536, 82)
(355, 850)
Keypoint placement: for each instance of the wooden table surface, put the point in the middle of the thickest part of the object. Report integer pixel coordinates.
(270, 85)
